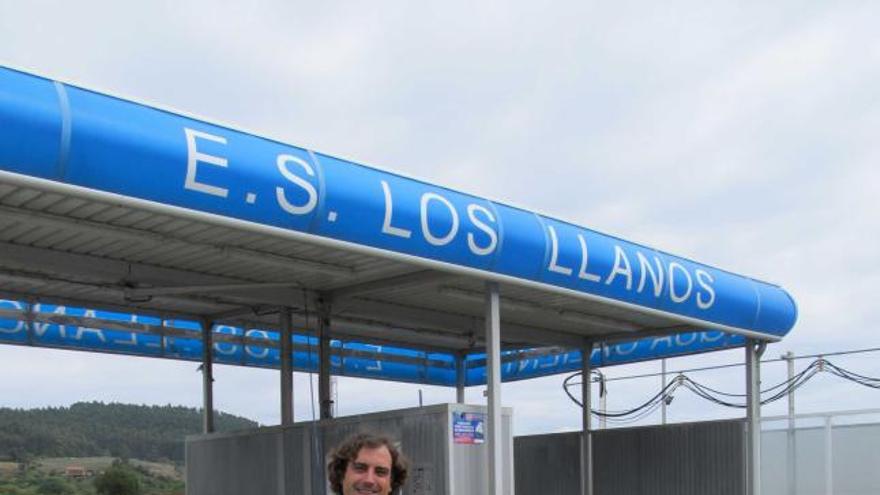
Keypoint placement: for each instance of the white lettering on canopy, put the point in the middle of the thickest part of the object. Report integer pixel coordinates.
(426, 229)
(387, 228)
(264, 353)
(646, 268)
(41, 328)
(194, 156)
(472, 210)
(621, 267)
(554, 253)
(705, 279)
(585, 259)
(19, 325)
(679, 298)
(89, 313)
(225, 348)
(674, 275)
(306, 186)
(430, 229)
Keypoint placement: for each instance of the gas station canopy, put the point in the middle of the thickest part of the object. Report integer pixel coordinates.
(126, 209)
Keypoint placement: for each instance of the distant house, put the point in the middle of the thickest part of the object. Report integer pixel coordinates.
(77, 472)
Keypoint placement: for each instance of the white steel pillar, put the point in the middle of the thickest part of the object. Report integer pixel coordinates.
(790, 451)
(829, 457)
(603, 401)
(493, 382)
(586, 420)
(284, 324)
(207, 377)
(663, 384)
(754, 350)
(460, 377)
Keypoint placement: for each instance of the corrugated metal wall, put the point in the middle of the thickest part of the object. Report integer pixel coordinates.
(682, 459)
(285, 460)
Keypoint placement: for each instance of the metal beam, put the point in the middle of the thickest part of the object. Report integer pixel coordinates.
(493, 379)
(522, 305)
(46, 265)
(242, 312)
(396, 282)
(207, 377)
(456, 324)
(107, 231)
(286, 367)
(137, 293)
(324, 399)
(754, 349)
(460, 376)
(586, 464)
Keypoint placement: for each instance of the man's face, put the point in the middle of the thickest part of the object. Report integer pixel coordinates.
(369, 472)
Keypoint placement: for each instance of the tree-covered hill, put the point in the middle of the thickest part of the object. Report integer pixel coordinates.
(153, 433)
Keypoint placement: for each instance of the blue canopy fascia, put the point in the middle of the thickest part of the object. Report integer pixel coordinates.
(58, 132)
(181, 340)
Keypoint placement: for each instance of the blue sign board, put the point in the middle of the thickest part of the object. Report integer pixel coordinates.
(349, 358)
(75, 136)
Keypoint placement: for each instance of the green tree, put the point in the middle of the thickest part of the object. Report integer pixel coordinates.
(118, 479)
(54, 485)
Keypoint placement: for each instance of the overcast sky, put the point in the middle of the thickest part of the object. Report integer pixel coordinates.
(741, 134)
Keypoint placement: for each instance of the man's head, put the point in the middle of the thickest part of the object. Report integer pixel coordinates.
(366, 463)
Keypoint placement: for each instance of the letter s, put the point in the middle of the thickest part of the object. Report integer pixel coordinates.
(282, 162)
(493, 236)
(705, 279)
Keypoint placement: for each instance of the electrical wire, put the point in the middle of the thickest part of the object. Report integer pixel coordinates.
(737, 365)
(768, 395)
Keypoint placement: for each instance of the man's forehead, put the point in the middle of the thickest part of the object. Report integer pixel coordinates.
(374, 455)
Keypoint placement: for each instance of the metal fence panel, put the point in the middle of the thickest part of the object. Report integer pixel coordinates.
(682, 459)
(846, 466)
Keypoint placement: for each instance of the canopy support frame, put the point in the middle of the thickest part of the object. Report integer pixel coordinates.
(493, 382)
(207, 376)
(586, 443)
(286, 335)
(325, 401)
(754, 350)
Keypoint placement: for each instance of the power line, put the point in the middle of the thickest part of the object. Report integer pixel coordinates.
(735, 365)
(779, 391)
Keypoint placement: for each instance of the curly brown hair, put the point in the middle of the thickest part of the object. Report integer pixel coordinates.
(348, 450)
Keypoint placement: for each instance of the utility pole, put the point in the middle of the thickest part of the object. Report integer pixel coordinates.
(662, 385)
(603, 401)
(791, 451)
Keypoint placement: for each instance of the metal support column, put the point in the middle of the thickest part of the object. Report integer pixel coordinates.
(460, 377)
(754, 350)
(207, 376)
(662, 385)
(29, 322)
(790, 450)
(493, 382)
(284, 324)
(586, 420)
(829, 457)
(324, 399)
(603, 401)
